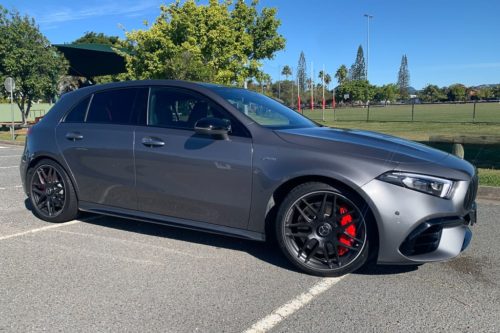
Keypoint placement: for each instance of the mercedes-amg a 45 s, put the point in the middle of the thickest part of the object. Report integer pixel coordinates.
(235, 162)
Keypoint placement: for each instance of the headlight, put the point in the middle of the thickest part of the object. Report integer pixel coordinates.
(439, 187)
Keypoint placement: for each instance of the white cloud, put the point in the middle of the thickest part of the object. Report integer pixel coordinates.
(105, 8)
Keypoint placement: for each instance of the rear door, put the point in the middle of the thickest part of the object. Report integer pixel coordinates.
(96, 139)
(185, 175)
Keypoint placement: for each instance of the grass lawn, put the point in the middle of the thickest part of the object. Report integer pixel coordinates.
(6, 136)
(485, 112)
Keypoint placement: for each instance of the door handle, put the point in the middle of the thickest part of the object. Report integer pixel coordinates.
(73, 136)
(152, 142)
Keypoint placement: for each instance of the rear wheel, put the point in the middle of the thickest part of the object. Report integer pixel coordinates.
(51, 192)
(322, 230)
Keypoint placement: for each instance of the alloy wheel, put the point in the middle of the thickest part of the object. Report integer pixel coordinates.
(324, 230)
(48, 191)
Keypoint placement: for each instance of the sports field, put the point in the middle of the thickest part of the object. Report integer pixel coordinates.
(485, 112)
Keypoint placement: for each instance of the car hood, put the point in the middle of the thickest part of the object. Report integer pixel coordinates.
(393, 152)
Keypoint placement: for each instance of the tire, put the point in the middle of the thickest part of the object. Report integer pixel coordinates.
(323, 230)
(51, 192)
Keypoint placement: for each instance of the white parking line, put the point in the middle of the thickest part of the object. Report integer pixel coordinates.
(281, 313)
(10, 187)
(10, 167)
(58, 225)
(10, 156)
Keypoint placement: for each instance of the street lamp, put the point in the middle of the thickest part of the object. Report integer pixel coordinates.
(368, 18)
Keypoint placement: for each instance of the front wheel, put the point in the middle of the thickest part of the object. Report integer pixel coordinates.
(51, 192)
(322, 231)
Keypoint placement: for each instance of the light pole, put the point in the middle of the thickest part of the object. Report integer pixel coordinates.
(368, 18)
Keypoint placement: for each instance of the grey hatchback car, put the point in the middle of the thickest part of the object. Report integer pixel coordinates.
(234, 162)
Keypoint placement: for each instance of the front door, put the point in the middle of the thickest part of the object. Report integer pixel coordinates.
(189, 176)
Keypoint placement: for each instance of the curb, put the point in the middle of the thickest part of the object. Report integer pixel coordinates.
(13, 143)
(488, 193)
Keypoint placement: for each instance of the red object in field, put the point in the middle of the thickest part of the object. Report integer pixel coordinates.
(333, 103)
(351, 230)
(312, 104)
(324, 103)
(299, 103)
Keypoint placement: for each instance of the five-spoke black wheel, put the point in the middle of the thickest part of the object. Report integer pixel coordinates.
(322, 231)
(51, 192)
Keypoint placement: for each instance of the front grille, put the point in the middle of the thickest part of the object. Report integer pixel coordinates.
(470, 196)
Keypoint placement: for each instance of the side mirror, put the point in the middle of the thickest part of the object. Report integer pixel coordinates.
(214, 127)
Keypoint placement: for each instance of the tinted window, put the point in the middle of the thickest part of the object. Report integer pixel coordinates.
(77, 114)
(176, 108)
(120, 106)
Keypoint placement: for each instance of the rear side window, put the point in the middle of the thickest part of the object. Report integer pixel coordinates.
(120, 106)
(77, 114)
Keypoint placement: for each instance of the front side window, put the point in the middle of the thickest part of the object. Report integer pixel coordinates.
(181, 109)
(119, 106)
(263, 110)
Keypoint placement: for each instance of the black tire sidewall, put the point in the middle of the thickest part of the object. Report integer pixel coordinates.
(295, 194)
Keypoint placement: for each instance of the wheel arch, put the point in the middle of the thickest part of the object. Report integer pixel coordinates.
(40, 157)
(283, 189)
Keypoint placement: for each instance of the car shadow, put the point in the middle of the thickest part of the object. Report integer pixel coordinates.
(265, 251)
(261, 250)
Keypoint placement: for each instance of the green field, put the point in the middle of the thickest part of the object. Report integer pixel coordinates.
(485, 112)
(37, 110)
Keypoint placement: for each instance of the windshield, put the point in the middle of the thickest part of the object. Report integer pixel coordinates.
(263, 110)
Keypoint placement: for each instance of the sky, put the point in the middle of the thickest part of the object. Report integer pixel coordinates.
(446, 41)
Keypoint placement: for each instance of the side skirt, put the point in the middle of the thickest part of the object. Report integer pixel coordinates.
(170, 221)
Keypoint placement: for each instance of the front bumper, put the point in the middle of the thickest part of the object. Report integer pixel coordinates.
(415, 227)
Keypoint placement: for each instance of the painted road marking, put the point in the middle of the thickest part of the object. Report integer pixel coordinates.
(11, 187)
(10, 167)
(11, 156)
(54, 226)
(281, 313)
(126, 241)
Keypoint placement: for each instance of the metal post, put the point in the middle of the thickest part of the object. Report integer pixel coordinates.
(474, 113)
(412, 109)
(368, 113)
(12, 111)
(323, 100)
(369, 17)
(312, 86)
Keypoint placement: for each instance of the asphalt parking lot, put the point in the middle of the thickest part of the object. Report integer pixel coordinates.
(108, 274)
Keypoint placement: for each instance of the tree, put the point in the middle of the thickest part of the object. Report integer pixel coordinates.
(91, 37)
(302, 72)
(287, 71)
(328, 79)
(431, 93)
(457, 92)
(485, 93)
(218, 42)
(27, 56)
(404, 78)
(341, 74)
(389, 93)
(358, 90)
(358, 69)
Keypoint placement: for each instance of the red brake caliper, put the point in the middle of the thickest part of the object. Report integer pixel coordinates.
(351, 230)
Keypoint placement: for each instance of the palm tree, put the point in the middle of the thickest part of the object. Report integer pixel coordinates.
(341, 74)
(287, 71)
